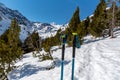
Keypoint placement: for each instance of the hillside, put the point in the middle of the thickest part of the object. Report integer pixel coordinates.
(44, 29)
(97, 59)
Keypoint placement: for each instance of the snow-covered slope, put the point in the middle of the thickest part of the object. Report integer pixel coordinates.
(44, 29)
(6, 15)
(11, 14)
(4, 24)
(97, 59)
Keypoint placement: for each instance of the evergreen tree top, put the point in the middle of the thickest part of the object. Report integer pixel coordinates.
(75, 20)
(102, 1)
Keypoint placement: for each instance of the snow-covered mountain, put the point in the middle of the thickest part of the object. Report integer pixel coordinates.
(44, 29)
(7, 13)
(97, 59)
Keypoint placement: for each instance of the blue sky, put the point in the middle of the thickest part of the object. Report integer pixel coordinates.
(59, 11)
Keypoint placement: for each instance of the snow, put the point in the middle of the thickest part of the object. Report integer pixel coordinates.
(2, 5)
(46, 30)
(23, 33)
(97, 59)
(4, 24)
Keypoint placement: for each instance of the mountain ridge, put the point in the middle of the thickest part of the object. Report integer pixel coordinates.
(44, 29)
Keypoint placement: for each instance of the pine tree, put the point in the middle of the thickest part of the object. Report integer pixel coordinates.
(83, 28)
(112, 24)
(3, 60)
(73, 25)
(32, 42)
(4, 36)
(98, 23)
(14, 40)
(75, 20)
(87, 25)
(118, 18)
(11, 37)
(10, 49)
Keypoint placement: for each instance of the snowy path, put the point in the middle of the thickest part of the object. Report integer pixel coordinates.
(97, 60)
(101, 61)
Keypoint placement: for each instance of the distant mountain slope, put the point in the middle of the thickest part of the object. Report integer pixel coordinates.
(8, 13)
(47, 30)
(44, 29)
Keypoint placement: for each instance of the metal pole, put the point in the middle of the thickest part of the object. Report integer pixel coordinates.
(62, 63)
(73, 56)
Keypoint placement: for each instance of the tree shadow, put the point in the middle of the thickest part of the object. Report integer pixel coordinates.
(26, 70)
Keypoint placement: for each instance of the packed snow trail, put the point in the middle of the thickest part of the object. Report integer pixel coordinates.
(96, 60)
(101, 61)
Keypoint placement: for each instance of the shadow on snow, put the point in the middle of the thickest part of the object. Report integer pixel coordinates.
(26, 70)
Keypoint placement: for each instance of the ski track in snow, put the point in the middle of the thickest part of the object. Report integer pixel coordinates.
(97, 60)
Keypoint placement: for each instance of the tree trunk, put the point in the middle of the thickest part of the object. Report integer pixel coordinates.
(113, 20)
